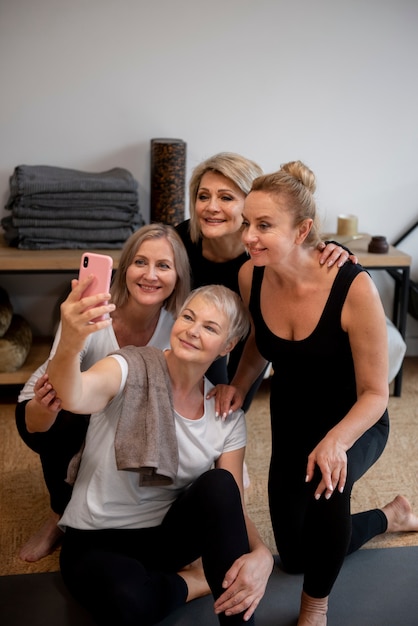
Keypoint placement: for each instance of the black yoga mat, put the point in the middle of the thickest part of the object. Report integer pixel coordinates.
(376, 587)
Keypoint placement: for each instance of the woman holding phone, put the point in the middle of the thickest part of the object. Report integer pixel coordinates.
(152, 281)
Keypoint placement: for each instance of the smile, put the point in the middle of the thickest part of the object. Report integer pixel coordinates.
(256, 251)
(149, 288)
(212, 220)
(187, 344)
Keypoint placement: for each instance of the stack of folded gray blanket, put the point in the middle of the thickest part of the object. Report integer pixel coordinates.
(53, 207)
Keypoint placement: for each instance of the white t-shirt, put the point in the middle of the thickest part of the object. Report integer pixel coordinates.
(105, 497)
(98, 345)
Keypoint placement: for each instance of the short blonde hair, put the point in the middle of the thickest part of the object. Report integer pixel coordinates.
(238, 169)
(229, 303)
(119, 290)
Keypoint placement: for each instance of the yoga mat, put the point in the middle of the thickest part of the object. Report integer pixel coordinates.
(376, 587)
(168, 177)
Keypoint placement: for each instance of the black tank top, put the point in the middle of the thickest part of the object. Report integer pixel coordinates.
(313, 385)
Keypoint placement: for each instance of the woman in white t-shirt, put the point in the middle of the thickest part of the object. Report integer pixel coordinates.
(152, 281)
(125, 544)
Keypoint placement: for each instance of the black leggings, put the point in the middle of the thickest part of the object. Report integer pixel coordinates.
(314, 536)
(129, 577)
(55, 447)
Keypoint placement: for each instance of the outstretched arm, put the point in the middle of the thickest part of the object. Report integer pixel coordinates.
(89, 391)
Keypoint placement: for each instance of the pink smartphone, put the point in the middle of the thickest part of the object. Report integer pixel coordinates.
(101, 266)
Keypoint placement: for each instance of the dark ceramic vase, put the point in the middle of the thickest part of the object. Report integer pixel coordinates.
(378, 245)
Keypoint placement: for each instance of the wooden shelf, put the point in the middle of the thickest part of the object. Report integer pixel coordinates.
(38, 354)
(15, 260)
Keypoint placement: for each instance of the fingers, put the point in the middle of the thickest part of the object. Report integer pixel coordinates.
(330, 253)
(76, 310)
(40, 382)
(79, 287)
(245, 584)
(322, 489)
(310, 468)
(338, 256)
(237, 600)
(45, 394)
(330, 481)
(343, 258)
(227, 400)
(333, 467)
(343, 478)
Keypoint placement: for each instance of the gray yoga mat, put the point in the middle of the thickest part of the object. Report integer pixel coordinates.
(376, 587)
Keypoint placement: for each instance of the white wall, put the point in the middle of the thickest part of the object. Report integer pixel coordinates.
(87, 84)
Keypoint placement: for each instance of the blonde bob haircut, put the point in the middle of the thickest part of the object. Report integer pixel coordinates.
(119, 290)
(238, 169)
(229, 303)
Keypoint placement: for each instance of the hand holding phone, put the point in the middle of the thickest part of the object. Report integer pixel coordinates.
(100, 265)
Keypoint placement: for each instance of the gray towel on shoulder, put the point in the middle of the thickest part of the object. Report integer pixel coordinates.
(145, 439)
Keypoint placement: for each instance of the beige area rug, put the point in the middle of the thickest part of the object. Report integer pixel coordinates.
(24, 500)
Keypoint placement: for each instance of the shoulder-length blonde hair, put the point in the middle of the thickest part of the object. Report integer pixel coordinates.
(173, 303)
(238, 169)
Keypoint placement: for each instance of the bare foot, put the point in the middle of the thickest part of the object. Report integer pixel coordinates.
(313, 611)
(400, 516)
(195, 579)
(43, 542)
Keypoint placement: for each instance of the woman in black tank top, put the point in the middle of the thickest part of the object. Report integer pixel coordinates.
(324, 330)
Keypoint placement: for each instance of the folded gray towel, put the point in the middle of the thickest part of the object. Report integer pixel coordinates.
(87, 234)
(146, 438)
(62, 244)
(40, 225)
(55, 207)
(29, 179)
(77, 197)
(94, 213)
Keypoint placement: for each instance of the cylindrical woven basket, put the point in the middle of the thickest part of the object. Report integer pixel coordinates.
(168, 180)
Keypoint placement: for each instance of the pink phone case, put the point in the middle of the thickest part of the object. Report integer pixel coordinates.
(100, 265)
